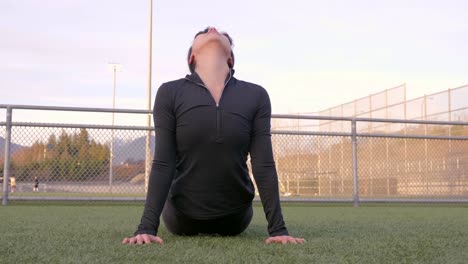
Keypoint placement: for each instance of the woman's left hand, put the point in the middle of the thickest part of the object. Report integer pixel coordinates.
(285, 240)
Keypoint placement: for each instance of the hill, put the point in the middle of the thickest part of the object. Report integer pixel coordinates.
(13, 147)
(132, 150)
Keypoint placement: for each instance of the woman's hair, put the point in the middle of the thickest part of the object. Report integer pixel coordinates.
(192, 66)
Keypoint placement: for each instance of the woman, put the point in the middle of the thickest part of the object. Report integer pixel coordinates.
(206, 124)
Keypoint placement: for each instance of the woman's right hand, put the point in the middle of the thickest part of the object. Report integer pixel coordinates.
(143, 239)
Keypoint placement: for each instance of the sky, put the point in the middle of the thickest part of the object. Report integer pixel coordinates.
(309, 55)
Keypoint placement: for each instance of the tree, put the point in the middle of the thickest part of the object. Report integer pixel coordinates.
(70, 157)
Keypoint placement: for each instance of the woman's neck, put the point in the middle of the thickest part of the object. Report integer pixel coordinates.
(212, 67)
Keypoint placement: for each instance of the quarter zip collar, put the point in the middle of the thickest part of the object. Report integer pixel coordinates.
(195, 78)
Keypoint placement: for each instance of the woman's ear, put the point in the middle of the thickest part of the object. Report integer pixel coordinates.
(230, 62)
(191, 59)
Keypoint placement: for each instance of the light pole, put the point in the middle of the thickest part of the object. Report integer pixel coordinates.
(424, 114)
(148, 133)
(114, 67)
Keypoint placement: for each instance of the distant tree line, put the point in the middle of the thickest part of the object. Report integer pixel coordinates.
(66, 157)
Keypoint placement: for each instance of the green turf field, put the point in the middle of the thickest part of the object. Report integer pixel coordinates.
(55, 232)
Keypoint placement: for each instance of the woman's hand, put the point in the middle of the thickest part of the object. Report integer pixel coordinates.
(285, 240)
(143, 239)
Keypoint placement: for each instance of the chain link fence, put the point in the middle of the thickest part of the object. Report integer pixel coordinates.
(419, 162)
(448, 105)
(78, 161)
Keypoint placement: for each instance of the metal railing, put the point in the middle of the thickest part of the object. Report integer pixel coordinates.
(421, 162)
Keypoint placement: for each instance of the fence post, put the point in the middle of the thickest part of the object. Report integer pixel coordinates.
(355, 169)
(6, 168)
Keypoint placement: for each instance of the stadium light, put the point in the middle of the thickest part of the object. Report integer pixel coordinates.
(148, 133)
(114, 67)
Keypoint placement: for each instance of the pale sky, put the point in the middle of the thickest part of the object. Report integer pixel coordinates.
(309, 55)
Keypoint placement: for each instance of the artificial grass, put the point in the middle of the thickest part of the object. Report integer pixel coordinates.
(42, 232)
(73, 194)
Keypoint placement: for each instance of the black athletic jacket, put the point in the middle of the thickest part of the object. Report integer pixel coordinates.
(201, 153)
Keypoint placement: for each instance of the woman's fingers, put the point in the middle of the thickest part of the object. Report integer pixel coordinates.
(284, 240)
(143, 239)
(146, 239)
(156, 239)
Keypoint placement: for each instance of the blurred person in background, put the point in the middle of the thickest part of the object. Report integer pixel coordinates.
(36, 185)
(13, 184)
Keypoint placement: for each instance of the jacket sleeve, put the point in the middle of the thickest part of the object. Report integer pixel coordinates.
(163, 167)
(263, 167)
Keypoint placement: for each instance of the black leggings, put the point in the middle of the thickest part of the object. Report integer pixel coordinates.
(179, 224)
